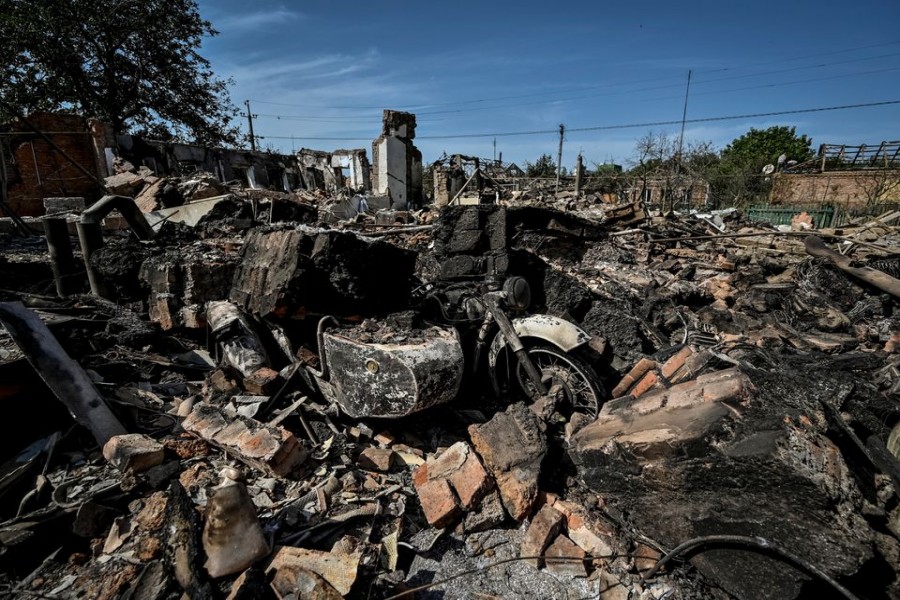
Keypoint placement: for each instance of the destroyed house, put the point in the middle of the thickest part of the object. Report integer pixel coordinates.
(854, 178)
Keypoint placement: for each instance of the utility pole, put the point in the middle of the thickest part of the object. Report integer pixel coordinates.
(495, 149)
(579, 174)
(562, 132)
(684, 116)
(681, 140)
(250, 122)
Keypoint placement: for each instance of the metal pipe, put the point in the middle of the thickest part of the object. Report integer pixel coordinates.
(68, 381)
(62, 259)
(91, 238)
(324, 371)
(124, 205)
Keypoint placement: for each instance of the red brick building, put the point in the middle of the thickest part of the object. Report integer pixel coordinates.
(35, 170)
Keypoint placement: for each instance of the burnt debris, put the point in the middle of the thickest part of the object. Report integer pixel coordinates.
(298, 394)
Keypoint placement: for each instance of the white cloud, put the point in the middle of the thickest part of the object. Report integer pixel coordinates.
(239, 23)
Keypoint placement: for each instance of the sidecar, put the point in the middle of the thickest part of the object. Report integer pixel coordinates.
(390, 379)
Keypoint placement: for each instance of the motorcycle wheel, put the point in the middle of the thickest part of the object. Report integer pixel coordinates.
(579, 386)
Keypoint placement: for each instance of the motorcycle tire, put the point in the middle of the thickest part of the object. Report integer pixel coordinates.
(580, 385)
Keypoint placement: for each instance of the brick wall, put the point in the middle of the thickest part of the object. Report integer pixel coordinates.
(37, 171)
(851, 190)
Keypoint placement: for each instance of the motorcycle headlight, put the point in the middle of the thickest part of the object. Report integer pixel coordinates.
(518, 293)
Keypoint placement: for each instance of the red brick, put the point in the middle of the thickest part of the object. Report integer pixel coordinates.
(438, 502)
(645, 384)
(470, 481)
(564, 548)
(544, 527)
(43, 171)
(675, 362)
(263, 382)
(645, 557)
(376, 459)
(893, 344)
(420, 475)
(638, 371)
(462, 468)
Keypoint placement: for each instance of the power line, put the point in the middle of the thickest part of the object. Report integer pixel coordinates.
(676, 122)
(774, 85)
(629, 82)
(610, 127)
(619, 91)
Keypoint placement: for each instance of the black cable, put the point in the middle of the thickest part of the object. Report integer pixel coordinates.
(754, 543)
(608, 127)
(421, 588)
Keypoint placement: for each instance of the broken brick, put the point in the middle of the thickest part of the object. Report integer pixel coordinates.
(338, 569)
(376, 459)
(439, 502)
(462, 468)
(487, 515)
(263, 382)
(273, 450)
(569, 558)
(512, 447)
(645, 557)
(133, 452)
(544, 527)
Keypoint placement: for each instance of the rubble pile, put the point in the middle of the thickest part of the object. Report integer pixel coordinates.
(267, 406)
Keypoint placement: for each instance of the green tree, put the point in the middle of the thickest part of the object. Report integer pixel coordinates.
(132, 63)
(542, 167)
(738, 178)
(759, 147)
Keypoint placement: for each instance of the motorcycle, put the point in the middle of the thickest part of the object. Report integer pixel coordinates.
(470, 333)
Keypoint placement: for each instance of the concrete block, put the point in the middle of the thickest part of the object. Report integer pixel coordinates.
(55, 206)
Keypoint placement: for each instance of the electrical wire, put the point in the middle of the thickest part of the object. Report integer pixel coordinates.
(603, 127)
(756, 543)
(498, 563)
(613, 84)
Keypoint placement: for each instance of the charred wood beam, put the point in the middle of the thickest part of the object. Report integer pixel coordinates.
(816, 247)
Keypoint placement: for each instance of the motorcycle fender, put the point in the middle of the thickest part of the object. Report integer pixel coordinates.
(561, 333)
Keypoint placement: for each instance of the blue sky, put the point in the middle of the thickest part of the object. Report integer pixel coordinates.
(325, 70)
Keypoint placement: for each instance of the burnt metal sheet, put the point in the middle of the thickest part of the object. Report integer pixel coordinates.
(393, 380)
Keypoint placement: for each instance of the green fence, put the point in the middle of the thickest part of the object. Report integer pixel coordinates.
(823, 216)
